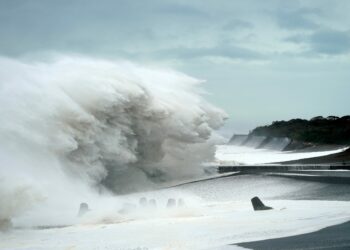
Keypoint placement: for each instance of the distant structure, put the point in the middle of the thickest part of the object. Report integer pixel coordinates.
(143, 202)
(258, 205)
(5, 224)
(171, 203)
(83, 209)
(152, 203)
(180, 203)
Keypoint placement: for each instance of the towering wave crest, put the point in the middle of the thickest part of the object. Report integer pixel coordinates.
(73, 123)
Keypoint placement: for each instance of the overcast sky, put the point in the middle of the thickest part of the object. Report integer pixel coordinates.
(262, 60)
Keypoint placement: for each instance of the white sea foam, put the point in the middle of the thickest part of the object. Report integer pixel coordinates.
(217, 213)
(73, 127)
(234, 155)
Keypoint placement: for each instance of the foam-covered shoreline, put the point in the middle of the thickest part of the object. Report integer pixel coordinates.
(217, 213)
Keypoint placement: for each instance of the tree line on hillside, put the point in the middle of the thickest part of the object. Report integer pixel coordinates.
(319, 130)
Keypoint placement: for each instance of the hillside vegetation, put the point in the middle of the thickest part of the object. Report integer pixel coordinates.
(320, 130)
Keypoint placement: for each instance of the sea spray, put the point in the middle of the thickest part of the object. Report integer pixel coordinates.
(73, 127)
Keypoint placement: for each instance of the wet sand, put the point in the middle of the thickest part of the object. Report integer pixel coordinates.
(334, 237)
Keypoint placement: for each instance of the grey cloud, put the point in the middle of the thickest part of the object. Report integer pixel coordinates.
(324, 41)
(180, 10)
(167, 28)
(191, 31)
(300, 38)
(237, 24)
(230, 52)
(330, 42)
(95, 27)
(296, 18)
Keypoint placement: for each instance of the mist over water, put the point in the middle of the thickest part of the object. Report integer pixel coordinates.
(76, 127)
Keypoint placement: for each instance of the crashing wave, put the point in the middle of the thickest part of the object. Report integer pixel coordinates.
(108, 124)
